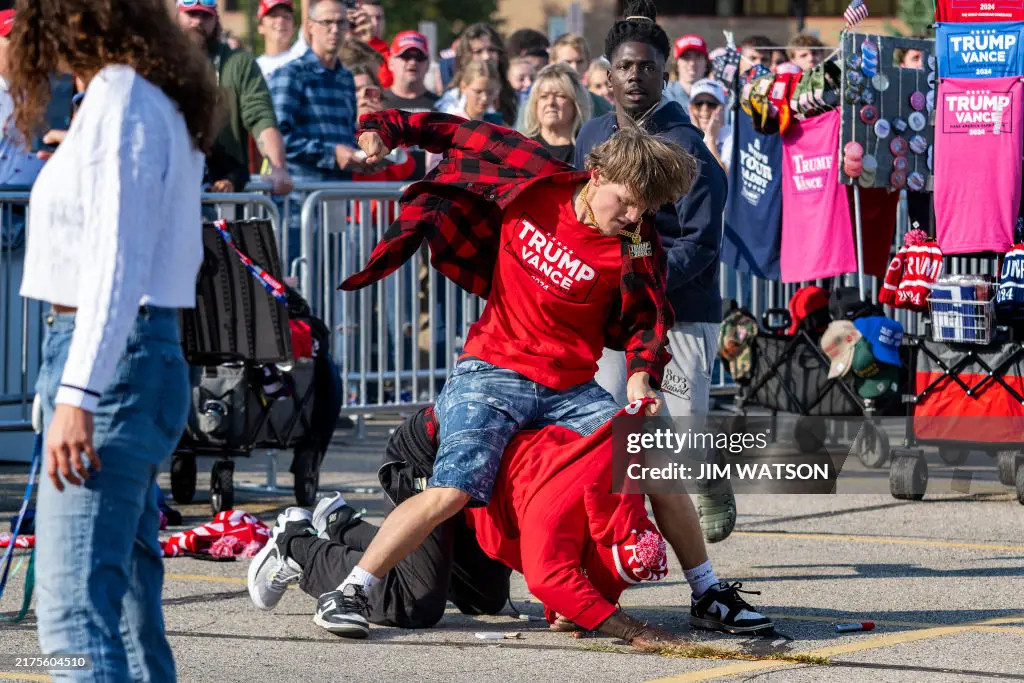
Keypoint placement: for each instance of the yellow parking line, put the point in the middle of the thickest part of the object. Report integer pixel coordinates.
(200, 577)
(879, 539)
(719, 672)
(1006, 620)
(990, 625)
(848, 618)
(998, 629)
(887, 640)
(15, 676)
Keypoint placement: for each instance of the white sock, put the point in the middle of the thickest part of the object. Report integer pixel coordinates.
(360, 577)
(700, 578)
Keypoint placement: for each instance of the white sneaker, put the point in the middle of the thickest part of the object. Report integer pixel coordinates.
(271, 571)
(322, 513)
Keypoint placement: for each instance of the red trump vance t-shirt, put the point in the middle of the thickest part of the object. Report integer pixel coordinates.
(555, 282)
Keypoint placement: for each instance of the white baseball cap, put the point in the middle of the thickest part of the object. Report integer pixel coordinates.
(708, 86)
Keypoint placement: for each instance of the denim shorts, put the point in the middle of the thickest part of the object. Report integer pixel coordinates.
(482, 407)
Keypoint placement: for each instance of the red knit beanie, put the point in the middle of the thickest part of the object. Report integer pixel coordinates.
(922, 267)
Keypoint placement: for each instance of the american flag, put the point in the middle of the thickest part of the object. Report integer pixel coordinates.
(855, 13)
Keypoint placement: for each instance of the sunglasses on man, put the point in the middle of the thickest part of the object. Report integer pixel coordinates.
(198, 3)
(709, 104)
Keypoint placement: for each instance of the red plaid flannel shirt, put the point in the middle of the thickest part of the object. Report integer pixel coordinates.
(459, 207)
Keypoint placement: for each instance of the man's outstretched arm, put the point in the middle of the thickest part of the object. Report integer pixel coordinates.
(634, 631)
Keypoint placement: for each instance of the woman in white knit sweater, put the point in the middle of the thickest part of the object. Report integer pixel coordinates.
(114, 245)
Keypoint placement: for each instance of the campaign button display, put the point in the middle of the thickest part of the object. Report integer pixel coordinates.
(868, 114)
(853, 150)
(915, 181)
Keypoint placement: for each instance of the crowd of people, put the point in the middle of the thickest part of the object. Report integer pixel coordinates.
(290, 114)
(616, 178)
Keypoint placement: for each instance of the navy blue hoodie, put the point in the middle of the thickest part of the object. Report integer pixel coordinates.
(690, 229)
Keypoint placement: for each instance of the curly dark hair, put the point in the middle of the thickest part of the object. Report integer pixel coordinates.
(84, 36)
(641, 29)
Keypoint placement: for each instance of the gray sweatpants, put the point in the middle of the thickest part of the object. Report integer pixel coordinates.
(686, 385)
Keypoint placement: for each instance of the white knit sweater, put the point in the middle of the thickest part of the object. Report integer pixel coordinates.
(115, 222)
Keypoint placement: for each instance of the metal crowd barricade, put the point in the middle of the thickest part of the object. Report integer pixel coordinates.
(393, 350)
(22, 332)
(21, 320)
(395, 341)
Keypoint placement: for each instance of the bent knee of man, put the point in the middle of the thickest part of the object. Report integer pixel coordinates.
(426, 613)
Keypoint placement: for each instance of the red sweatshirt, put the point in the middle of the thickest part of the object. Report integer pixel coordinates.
(555, 282)
(551, 517)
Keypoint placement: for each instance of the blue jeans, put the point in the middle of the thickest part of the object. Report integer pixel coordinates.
(99, 569)
(482, 407)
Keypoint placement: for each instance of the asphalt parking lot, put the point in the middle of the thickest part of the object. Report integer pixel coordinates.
(940, 578)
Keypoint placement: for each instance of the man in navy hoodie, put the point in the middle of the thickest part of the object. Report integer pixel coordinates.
(690, 230)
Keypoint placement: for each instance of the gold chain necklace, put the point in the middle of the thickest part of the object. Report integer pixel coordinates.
(633, 236)
(586, 205)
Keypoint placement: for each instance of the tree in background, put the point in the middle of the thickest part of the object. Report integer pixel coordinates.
(451, 16)
(918, 15)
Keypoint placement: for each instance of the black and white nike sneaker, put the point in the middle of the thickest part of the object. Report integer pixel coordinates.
(342, 612)
(333, 514)
(721, 608)
(271, 570)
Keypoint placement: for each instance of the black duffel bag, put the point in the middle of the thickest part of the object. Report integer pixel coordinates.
(242, 406)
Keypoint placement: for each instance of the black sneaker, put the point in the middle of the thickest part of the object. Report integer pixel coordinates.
(341, 612)
(332, 516)
(722, 609)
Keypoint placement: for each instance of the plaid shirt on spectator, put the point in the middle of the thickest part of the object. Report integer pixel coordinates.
(316, 108)
(459, 207)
